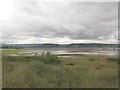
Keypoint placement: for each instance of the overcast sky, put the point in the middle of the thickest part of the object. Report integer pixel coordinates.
(27, 21)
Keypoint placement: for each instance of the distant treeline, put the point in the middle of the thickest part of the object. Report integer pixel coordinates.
(81, 45)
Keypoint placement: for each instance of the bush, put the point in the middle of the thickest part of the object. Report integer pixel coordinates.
(113, 60)
(48, 58)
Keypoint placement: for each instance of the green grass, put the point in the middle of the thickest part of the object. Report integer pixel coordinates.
(49, 71)
(9, 51)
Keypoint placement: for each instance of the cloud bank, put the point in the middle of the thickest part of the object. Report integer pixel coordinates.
(60, 22)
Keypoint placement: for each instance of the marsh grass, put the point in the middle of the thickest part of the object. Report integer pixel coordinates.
(49, 71)
(9, 51)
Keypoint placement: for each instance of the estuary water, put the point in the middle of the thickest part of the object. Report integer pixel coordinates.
(65, 53)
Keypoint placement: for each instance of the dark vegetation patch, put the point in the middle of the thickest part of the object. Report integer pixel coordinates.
(115, 60)
(71, 64)
(46, 58)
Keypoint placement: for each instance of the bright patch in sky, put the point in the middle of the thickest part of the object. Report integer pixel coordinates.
(7, 8)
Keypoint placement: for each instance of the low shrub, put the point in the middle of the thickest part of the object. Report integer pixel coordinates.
(113, 60)
(48, 58)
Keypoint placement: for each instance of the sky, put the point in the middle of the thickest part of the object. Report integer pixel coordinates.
(65, 22)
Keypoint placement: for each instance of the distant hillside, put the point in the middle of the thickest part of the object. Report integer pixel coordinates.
(74, 45)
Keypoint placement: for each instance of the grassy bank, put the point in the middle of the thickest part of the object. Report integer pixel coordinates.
(48, 71)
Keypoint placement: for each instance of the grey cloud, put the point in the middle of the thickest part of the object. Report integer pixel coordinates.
(75, 20)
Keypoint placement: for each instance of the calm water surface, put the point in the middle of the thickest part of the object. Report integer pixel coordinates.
(65, 53)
